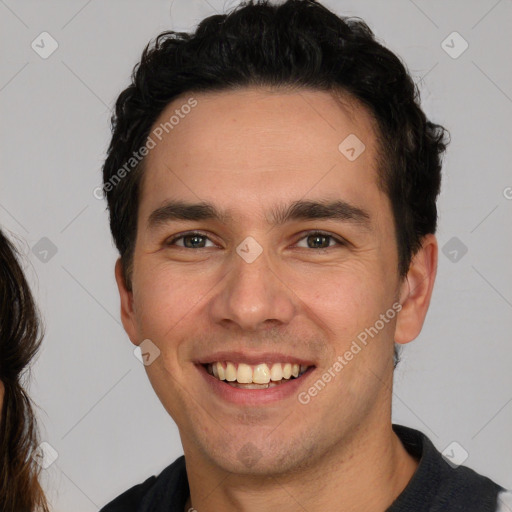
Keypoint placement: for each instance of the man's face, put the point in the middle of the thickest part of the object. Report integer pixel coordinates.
(251, 154)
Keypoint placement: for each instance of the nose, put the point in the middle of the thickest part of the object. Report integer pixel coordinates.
(254, 296)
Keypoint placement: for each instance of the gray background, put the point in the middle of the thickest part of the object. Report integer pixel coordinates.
(97, 408)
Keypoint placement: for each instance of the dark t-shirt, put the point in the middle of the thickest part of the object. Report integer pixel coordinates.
(436, 486)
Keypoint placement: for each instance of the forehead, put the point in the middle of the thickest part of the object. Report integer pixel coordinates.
(254, 145)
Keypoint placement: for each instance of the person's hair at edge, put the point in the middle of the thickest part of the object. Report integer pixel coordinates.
(20, 338)
(298, 44)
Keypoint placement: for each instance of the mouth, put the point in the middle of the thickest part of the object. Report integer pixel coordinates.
(255, 376)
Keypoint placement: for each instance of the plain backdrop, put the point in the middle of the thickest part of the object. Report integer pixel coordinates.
(97, 409)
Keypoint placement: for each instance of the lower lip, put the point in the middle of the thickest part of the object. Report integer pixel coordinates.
(240, 396)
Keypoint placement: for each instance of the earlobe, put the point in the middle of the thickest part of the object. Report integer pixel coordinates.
(127, 309)
(416, 291)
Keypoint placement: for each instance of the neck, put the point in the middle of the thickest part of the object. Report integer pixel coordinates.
(367, 474)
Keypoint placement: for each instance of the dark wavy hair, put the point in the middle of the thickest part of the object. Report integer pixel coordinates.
(20, 339)
(296, 44)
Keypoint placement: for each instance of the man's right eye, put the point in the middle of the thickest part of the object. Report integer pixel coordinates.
(191, 240)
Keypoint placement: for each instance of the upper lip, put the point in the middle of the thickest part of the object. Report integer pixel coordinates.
(253, 358)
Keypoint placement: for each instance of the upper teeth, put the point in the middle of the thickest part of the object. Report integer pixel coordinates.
(258, 374)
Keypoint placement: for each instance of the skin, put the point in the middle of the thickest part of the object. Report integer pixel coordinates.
(247, 151)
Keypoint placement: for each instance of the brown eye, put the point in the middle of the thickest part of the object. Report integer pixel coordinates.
(320, 240)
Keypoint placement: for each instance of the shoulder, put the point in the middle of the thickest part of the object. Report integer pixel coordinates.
(137, 499)
(440, 484)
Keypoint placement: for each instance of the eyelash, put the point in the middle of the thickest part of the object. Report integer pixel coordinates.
(307, 234)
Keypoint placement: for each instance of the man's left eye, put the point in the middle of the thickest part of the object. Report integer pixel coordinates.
(319, 240)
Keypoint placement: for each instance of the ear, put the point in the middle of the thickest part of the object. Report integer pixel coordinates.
(416, 291)
(127, 309)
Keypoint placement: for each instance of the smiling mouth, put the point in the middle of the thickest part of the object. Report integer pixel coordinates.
(259, 376)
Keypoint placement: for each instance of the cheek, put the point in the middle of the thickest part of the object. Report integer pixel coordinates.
(347, 283)
(163, 299)
(347, 301)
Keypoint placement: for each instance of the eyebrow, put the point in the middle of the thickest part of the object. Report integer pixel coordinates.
(298, 210)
